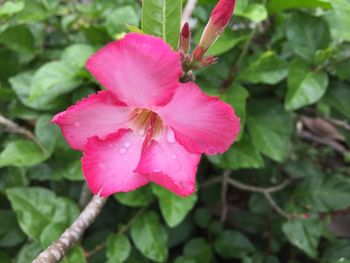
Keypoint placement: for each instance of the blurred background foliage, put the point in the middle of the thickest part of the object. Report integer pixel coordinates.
(284, 65)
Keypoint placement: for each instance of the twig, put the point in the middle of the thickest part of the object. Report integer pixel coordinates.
(12, 127)
(275, 206)
(55, 252)
(323, 141)
(125, 228)
(188, 10)
(256, 189)
(339, 123)
(225, 178)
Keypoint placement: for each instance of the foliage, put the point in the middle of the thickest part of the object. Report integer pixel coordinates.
(281, 63)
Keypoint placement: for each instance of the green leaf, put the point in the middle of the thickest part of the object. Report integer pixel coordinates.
(28, 253)
(116, 19)
(254, 12)
(305, 87)
(266, 68)
(338, 97)
(10, 233)
(41, 215)
(162, 18)
(46, 133)
(237, 95)
(20, 39)
(118, 248)
(76, 55)
(270, 127)
(241, 155)
(275, 6)
(21, 85)
(54, 79)
(232, 244)
(21, 153)
(173, 207)
(199, 250)
(137, 198)
(10, 8)
(324, 193)
(338, 252)
(75, 255)
(304, 234)
(306, 34)
(150, 237)
(339, 20)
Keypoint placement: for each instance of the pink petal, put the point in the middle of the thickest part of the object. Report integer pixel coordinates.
(98, 115)
(141, 70)
(109, 164)
(202, 124)
(170, 165)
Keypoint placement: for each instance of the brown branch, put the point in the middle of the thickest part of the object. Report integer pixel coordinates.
(275, 206)
(323, 141)
(12, 127)
(55, 252)
(188, 10)
(256, 189)
(339, 123)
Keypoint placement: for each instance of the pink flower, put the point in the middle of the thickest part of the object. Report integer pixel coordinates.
(146, 126)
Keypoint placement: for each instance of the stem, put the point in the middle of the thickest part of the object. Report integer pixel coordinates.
(55, 252)
(225, 178)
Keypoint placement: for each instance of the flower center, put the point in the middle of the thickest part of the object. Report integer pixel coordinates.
(147, 122)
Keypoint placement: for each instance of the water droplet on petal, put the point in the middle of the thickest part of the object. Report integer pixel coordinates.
(102, 165)
(170, 136)
(122, 150)
(154, 94)
(127, 145)
(156, 170)
(142, 132)
(76, 124)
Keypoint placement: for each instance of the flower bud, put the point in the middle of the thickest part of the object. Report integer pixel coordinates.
(185, 38)
(219, 18)
(208, 61)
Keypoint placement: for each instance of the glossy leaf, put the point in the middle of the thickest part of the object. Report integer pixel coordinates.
(118, 248)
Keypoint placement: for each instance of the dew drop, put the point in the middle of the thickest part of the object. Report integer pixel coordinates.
(171, 136)
(156, 170)
(127, 145)
(76, 124)
(122, 150)
(212, 150)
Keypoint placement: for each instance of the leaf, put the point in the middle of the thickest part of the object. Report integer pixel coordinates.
(173, 207)
(20, 39)
(46, 133)
(339, 20)
(237, 95)
(150, 237)
(232, 244)
(75, 255)
(76, 55)
(306, 34)
(266, 68)
(10, 233)
(254, 12)
(28, 253)
(118, 248)
(270, 128)
(337, 252)
(116, 19)
(41, 215)
(21, 85)
(10, 8)
(137, 198)
(304, 234)
(162, 18)
(275, 6)
(54, 79)
(241, 155)
(199, 250)
(305, 87)
(21, 153)
(338, 97)
(324, 193)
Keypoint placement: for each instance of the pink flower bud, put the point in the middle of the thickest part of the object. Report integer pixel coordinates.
(185, 38)
(219, 18)
(208, 61)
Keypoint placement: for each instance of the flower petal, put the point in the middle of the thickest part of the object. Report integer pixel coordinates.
(169, 164)
(141, 70)
(98, 115)
(109, 164)
(202, 124)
